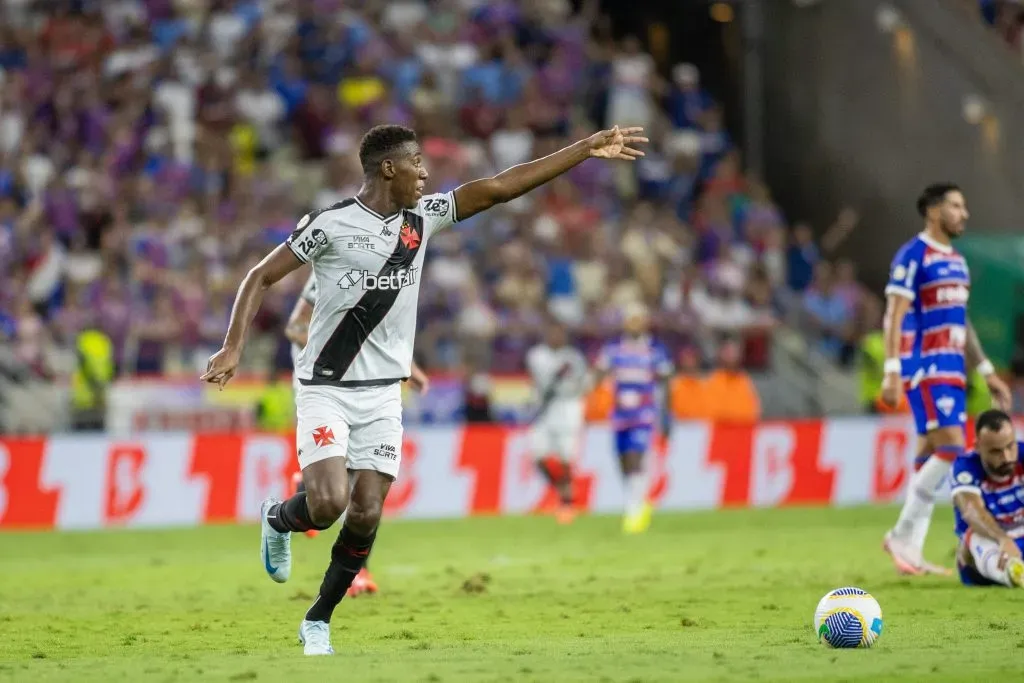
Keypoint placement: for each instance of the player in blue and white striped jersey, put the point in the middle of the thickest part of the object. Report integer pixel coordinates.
(988, 491)
(930, 347)
(638, 364)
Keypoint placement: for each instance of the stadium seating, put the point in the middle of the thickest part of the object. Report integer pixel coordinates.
(151, 152)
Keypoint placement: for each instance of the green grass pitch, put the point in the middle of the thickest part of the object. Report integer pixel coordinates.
(717, 596)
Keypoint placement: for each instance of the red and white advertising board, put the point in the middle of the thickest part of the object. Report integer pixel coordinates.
(79, 481)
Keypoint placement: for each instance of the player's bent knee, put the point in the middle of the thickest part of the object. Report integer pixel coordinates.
(327, 490)
(326, 504)
(363, 515)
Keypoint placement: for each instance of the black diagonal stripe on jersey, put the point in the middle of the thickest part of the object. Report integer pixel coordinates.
(355, 327)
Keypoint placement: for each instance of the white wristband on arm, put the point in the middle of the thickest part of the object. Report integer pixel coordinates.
(985, 368)
(892, 366)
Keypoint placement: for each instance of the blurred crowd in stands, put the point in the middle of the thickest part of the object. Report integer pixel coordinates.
(151, 151)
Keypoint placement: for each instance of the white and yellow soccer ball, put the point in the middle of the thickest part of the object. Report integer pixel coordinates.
(848, 617)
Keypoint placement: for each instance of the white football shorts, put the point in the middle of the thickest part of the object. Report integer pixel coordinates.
(363, 425)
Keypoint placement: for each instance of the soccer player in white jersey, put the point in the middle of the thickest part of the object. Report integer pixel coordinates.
(297, 332)
(367, 255)
(559, 373)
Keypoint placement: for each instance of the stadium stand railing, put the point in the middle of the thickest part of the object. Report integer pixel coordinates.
(804, 382)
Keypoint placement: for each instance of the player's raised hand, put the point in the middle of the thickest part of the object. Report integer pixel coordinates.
(617, 143)
(221, 367)
(1001, 396)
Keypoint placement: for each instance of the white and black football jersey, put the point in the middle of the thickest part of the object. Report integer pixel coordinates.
(367, 269)
(562, 370)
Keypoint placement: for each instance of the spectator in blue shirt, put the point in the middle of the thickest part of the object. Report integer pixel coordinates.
(687, 101)
(829, 314)
(801, 257)
(287, 80)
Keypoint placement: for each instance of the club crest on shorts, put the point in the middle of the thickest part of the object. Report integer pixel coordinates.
(323, 436)
(946, 405)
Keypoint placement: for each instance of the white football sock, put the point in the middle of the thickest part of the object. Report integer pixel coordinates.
(912, 525)
(986, 554)
(920, 531)
(636, 492)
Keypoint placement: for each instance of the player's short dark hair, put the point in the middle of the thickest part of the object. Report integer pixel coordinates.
(934, 194)
(381, 141)
(992, 420)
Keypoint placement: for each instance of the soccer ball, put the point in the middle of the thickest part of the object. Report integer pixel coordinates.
(848, 617)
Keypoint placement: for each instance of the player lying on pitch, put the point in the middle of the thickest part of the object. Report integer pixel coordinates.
(988, 491)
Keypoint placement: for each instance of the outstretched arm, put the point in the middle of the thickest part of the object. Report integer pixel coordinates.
(840, 229)
(480, 195)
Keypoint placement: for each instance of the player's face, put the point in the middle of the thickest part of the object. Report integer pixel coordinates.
(998, 449)
(953, 214)
(410, 176)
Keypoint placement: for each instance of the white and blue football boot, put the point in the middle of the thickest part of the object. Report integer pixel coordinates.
(275, 546)
(315, 637)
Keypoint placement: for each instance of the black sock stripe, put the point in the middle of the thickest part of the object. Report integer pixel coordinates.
(355, 327)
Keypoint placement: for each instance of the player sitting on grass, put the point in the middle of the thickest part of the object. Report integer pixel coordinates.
(988, 491)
